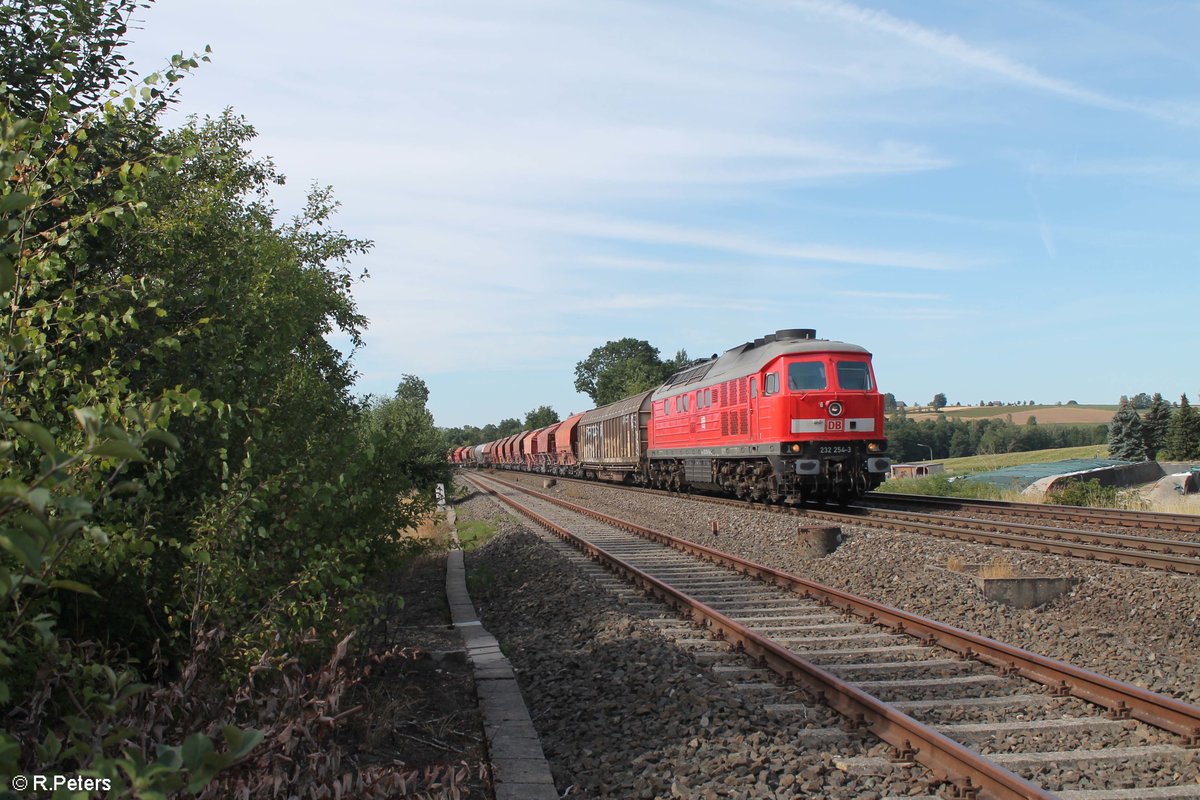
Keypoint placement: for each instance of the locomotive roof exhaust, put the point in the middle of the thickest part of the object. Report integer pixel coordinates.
(793, 333)
(781, 335)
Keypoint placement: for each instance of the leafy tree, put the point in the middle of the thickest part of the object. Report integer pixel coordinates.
(540, 417)
(148, 285)
(1140, 401)
(622, 368)
(1125, 437)
(1155, 424)
(889, 403)
(1183, 433)
(960, 443)
(939, 400)
(508, 427)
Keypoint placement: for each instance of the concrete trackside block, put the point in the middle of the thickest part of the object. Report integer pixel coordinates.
(816, 541)
(1026, 592)
(519, 768)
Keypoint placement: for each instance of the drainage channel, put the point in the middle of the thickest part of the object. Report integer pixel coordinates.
(990, 732)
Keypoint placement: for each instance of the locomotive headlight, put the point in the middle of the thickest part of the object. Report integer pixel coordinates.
(795, 448)
(835, 409)
(873, 447)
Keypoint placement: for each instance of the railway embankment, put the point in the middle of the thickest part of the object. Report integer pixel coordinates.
(625, 710)
(1136, 625)
(1035, 737)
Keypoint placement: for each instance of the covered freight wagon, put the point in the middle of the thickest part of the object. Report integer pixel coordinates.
(612, 440)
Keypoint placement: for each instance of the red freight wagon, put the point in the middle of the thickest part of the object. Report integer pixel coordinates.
(565, 439)
(544, 447)
(524, 447)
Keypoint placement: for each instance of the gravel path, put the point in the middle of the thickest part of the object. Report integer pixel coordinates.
(1139, 626)
(626, 712)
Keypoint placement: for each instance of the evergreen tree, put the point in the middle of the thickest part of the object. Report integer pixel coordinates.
(1183, 433)
(1125, 439)
(1155, 424)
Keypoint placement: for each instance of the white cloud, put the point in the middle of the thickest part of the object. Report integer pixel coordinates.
(954, 48)
(542, 176)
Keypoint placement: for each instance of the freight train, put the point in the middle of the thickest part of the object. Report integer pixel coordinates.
(785, 418)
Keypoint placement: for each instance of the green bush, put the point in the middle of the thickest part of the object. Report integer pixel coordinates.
(942, 486)
(189, 490)
(1085, 493)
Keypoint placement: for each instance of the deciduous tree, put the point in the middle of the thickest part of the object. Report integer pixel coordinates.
(540, 417)
(624, 367)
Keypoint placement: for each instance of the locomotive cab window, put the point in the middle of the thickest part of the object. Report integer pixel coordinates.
(771, 383)
(707, 398)
(854, 376)
(807, 376)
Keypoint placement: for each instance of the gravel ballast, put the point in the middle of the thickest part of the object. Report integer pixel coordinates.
(1138, 626)
(624, 711)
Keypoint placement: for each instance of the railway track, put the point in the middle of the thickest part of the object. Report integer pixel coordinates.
(1108, 517)
(1145, 552)
(885, 669)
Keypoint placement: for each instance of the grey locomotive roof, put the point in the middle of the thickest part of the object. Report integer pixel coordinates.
(626, 406)
(747, 359)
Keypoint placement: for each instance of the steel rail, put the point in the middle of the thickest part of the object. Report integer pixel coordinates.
(1122, 699)
(1137, 551)
(1140, 543)
(1057, 541)
(973, 773)
(1120, 517)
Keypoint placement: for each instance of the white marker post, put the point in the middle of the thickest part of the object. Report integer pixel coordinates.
(440, 493)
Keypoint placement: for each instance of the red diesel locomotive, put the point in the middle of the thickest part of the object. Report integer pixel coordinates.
(786, 418)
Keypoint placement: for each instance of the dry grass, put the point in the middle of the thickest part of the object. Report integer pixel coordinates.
(956, 564)
(432, 528)
(998, 568)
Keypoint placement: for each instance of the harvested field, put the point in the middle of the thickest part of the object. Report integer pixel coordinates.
(1046, 415)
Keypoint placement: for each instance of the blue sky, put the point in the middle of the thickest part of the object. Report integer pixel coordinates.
(999, 200)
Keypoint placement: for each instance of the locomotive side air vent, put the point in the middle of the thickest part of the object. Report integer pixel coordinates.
(796, 333)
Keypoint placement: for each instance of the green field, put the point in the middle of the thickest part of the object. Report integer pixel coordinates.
(961, 466)
(941, 485)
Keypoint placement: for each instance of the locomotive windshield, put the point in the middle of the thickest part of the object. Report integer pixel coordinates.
(854, 376)
(806, 376)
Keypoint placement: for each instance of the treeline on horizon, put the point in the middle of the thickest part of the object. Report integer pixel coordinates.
(952, 437)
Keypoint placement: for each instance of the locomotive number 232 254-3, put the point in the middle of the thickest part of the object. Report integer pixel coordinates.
(834, 449)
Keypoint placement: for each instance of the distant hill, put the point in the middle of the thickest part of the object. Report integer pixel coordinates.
(1058, 415)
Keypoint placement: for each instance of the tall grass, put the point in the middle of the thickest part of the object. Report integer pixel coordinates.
(942, 486)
